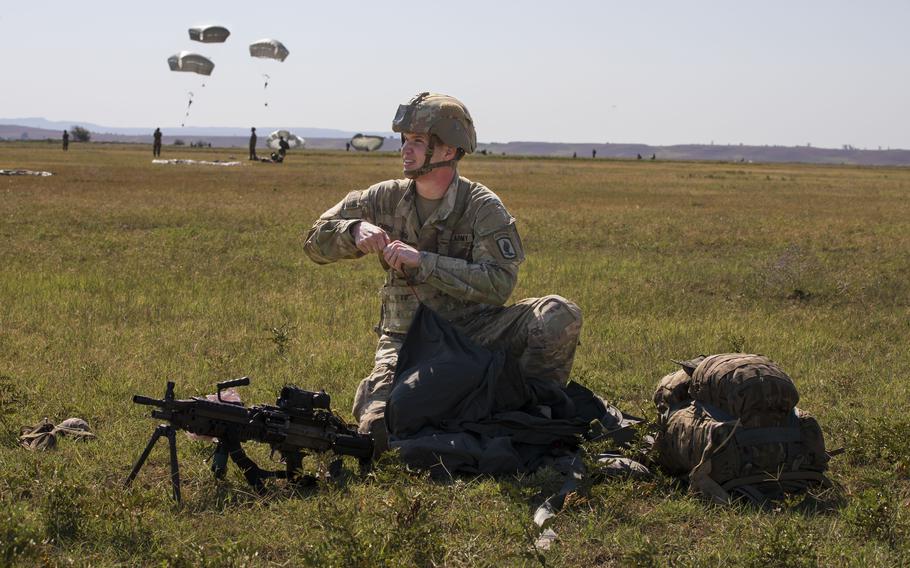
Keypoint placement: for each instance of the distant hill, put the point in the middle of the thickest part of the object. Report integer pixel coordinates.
(329, 139)
(706, 152)
(302, 131)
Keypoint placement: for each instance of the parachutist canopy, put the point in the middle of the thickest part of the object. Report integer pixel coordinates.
(269, 49)
(191, 62)
(209, 34)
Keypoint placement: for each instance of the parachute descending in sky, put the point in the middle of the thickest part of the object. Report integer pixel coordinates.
(209, 34)
(191, 62)
(366, 143)
(268, 49)
(294, 141)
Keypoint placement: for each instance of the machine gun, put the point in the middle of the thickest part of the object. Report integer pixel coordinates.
(300, 421)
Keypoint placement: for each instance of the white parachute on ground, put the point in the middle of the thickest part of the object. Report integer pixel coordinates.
(294, 141)
(366, 143)
(269, 49)
(209, 34)
(191, 62)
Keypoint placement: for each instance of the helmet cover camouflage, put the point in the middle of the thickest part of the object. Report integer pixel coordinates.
(440, 115)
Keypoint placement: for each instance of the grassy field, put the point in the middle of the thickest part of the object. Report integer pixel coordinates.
(117, 274)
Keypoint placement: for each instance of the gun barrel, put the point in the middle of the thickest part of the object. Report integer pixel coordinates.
(241, 382)
(356, 445)
(148, 401)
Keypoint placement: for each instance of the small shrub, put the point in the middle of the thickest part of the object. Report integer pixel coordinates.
(80, 134)
(795, 275)
(281, 337)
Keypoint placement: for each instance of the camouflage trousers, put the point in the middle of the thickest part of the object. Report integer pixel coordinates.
(541, 333)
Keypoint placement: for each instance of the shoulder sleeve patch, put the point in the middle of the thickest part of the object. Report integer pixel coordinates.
(504, 244)
(506, 247)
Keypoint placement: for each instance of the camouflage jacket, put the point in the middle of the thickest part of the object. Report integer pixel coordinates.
(470, 248)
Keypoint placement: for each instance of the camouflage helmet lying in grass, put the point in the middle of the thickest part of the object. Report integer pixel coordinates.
(441, 117)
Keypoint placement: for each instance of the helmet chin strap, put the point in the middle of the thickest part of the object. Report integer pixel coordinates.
(427, 167)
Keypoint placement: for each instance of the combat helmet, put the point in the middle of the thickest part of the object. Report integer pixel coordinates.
(440, 116)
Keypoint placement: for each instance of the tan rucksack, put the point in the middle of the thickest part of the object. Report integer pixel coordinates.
(729, 423)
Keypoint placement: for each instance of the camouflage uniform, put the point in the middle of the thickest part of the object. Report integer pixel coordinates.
(470, 253)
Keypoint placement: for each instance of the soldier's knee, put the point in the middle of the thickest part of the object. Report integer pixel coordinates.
(557, 319)
(374, 389)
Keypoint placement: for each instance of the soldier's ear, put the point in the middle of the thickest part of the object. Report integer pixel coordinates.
(448, 152)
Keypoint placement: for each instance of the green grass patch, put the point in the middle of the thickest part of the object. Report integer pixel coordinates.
(117, 275)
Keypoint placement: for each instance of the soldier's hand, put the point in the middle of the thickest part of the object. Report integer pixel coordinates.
(369, 238)
(400, 255)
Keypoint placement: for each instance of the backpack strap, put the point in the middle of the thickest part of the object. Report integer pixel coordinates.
(805, 475)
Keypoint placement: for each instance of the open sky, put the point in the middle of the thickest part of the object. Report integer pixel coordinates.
(789, 72)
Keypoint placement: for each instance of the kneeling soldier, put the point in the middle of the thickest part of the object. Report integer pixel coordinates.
(446, 242)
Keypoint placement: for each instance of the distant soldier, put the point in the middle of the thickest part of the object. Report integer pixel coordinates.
(639, 156)
(347, 146)
(283, 147)
(594, 153)
(653, 156)
(253, 155)
(156, 144)
(446, 242)
(574, 155)
(66, 140)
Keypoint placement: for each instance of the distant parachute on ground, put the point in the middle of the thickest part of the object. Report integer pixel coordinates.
(191, 62)
(269, 49)
(293, 140)
(366, 143)
(209, 34)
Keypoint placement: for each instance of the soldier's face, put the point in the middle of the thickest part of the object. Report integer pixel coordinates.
(414, 151)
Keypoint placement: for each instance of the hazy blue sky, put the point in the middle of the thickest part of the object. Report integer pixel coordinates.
(659, 72)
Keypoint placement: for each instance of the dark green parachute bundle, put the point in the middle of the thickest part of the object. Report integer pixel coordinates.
(729, 423)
